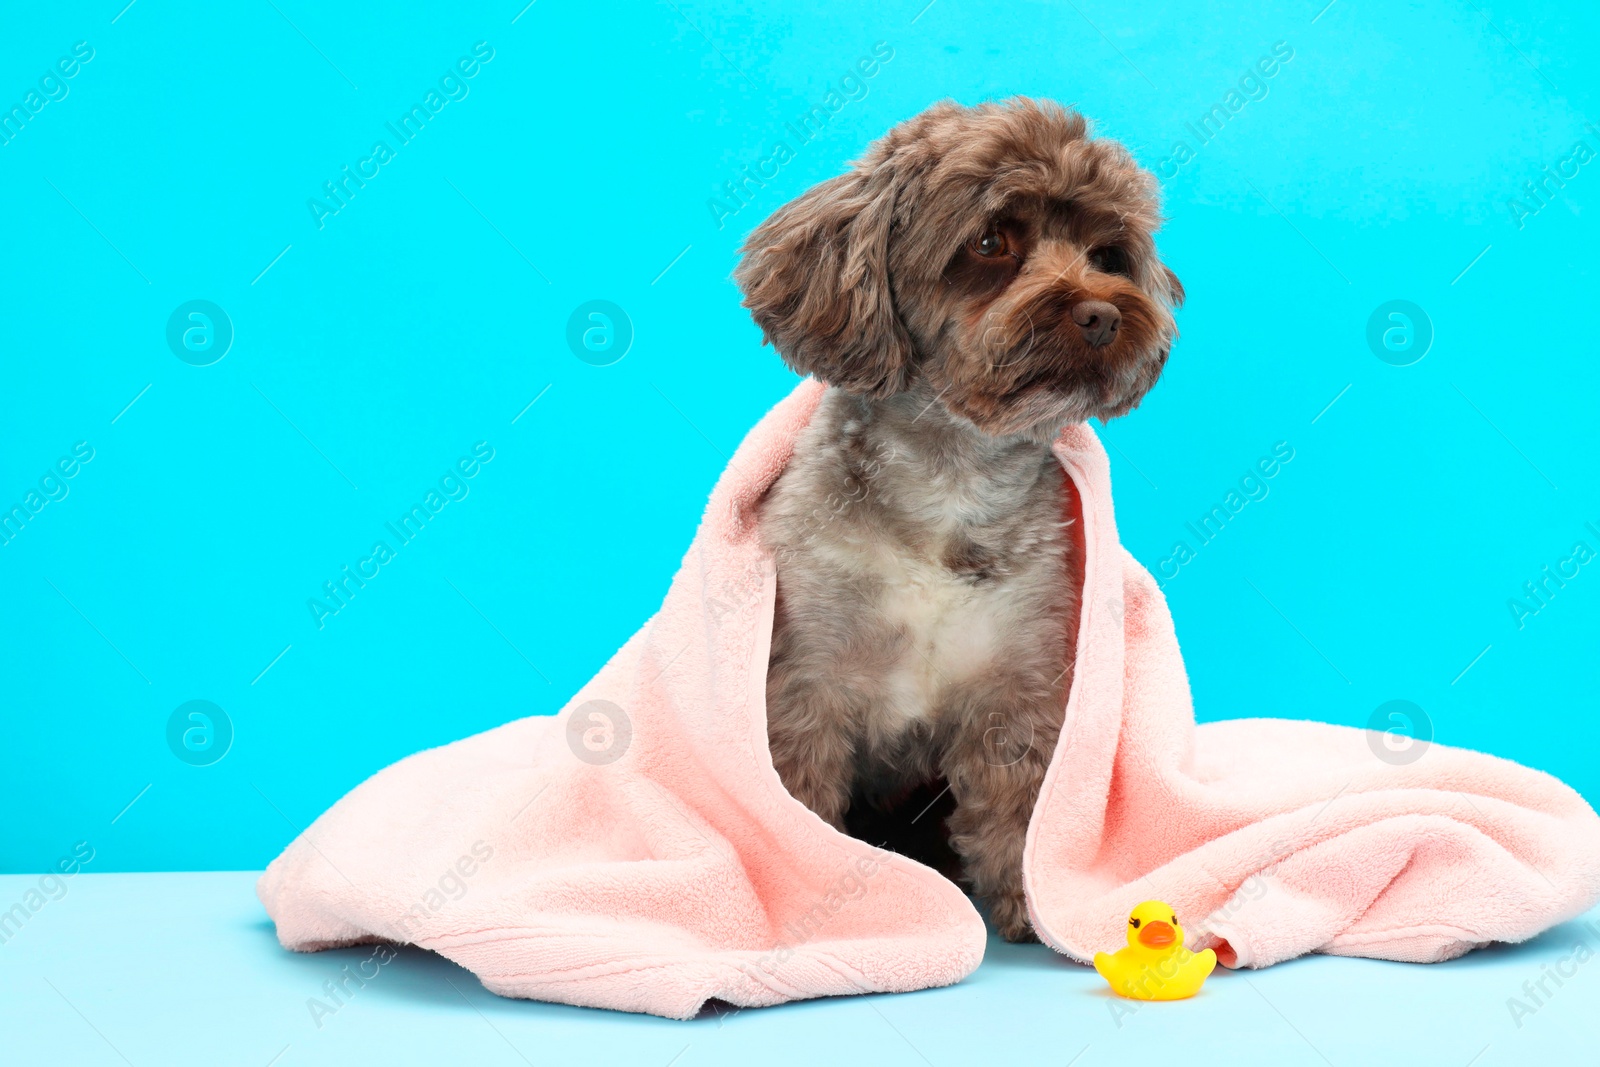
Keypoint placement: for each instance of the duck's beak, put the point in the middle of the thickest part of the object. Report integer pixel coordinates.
(1157, 934)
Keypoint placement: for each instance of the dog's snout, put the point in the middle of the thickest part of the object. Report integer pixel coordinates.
(1098, 320)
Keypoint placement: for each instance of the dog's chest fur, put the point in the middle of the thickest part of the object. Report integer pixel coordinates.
(922, 583)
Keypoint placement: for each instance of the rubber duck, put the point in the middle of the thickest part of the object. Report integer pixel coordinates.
(1155, 965)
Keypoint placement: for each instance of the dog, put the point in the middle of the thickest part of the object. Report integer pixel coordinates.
(979, 279)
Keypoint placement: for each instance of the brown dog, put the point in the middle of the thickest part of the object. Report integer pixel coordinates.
(981, 278)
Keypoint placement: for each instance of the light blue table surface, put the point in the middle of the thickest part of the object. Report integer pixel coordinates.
(184, 969)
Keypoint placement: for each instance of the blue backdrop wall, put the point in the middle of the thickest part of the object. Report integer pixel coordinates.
(277, 271)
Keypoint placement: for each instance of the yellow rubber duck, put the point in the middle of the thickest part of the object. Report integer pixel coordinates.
(1155, 965)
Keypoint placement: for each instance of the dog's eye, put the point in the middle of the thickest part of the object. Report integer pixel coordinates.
(992, 243)
(1134, 923)
(1109, 260)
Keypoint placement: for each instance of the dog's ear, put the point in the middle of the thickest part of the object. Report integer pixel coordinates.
(815, 277)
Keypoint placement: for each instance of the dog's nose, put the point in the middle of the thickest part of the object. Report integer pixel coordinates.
(1098, 320)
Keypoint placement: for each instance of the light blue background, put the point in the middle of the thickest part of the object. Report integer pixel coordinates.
(429, 312)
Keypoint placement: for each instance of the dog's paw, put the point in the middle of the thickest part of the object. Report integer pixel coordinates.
(1010, 917)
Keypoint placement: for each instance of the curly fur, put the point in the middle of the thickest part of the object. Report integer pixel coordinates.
(921, 530)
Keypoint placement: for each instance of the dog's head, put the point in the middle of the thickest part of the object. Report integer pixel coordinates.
(998, 252)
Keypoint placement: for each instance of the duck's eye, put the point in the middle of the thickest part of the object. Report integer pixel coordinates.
(992, 243)
(1134, 923)
(1109, 260)
(1174, 920)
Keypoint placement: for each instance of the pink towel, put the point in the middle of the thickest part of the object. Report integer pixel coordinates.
(638, 851)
